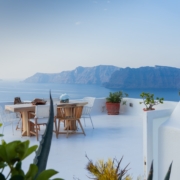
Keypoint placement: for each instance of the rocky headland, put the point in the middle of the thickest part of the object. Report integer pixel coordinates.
(80, 75)
(114, 77)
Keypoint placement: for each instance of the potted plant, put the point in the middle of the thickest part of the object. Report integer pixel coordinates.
(113, 102)
(149, 101)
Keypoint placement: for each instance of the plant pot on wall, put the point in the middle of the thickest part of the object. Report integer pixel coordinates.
(112, 108)
(148, 109)
(113, 102)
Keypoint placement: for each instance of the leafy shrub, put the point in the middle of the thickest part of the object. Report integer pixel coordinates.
(116, 97)
(149, 101)
(12, 154)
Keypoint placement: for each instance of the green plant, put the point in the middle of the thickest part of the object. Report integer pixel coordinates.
(149, 101)
(12, 154)
(42, 153)
(116, 97)
(107, 170)
(167, 177)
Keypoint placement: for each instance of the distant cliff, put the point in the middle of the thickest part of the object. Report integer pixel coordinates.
(80, 75)
(145, 77)
(114, 77)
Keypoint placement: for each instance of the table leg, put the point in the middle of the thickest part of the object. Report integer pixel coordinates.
(70, 125)
(25, 123)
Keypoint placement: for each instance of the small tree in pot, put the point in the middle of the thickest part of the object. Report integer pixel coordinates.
(113, 102)
(149, 101)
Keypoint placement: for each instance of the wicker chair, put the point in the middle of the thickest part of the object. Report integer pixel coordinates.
(41, 118)
(86, 113)
(8, 118)
(71, 115)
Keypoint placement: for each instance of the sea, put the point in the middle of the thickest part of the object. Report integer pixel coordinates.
(29, 91)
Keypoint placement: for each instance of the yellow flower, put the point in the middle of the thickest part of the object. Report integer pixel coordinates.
(128, 178)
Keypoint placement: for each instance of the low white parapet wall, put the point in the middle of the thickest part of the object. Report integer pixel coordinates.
(152, 120)
(132, 106)
(169, 145)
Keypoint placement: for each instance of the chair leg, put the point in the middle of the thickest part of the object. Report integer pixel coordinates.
(22, 126)
(37, 133)
(81, 126)
(58, 128)
(68, 125)
(38, 126)
(91, 121)
(17, 126)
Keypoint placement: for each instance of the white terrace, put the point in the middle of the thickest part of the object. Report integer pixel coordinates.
(133, 134)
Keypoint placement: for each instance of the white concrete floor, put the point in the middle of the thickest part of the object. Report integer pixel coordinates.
(113, 137)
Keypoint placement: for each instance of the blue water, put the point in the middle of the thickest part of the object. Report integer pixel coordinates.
(29, 91)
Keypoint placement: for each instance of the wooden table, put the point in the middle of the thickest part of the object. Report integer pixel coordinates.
(25, 108)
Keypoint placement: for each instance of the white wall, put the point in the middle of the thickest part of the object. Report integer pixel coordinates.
(152, 120)
(137, 108)
(169, 145)
(151, 123)
(167, 148)
(99, 106)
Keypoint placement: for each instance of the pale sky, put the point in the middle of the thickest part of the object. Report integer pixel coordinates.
(51, 36)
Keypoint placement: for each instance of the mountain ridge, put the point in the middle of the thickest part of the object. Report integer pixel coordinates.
(115, 77)
(80, 75)
(145, 77)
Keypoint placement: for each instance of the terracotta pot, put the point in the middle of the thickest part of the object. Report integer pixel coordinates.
(112, 108)
(148, 109)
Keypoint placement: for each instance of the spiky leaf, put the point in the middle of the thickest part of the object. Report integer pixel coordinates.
(42, 153)
(167, 177)
(150, 176)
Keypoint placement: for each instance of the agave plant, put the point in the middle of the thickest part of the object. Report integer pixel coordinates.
(12, 154)
(167, 177)
(150, 176)
(42, 153)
